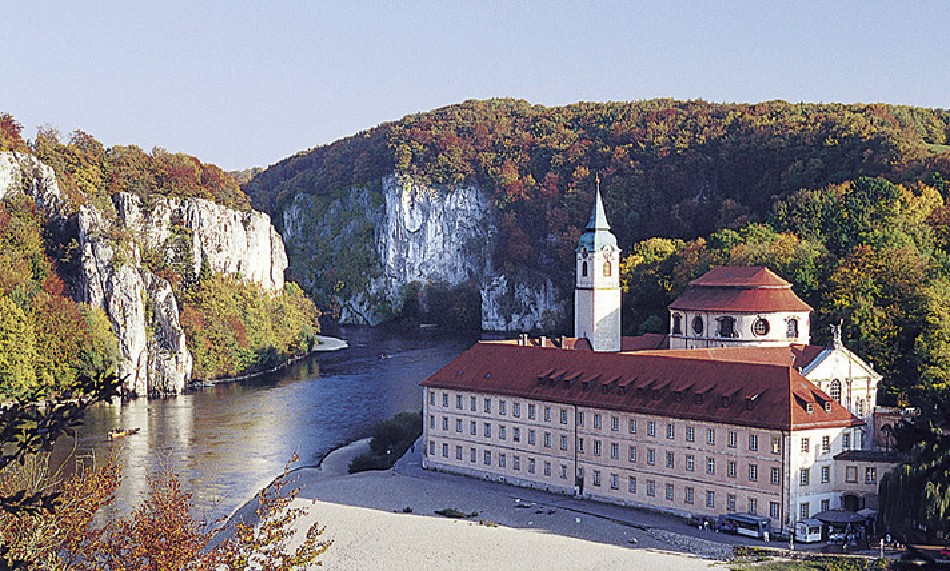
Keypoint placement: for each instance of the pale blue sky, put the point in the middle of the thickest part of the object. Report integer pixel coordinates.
(243, 84)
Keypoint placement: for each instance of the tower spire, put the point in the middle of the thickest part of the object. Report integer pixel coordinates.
(598, 218)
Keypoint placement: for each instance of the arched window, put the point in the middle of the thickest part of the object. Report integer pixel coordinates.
(607, 268)
(584, 268)
(760, 326)
(792, 331)
(697, 325)
(835, 390)
(677, 324)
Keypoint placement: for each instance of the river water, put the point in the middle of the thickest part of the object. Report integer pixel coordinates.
(228, 441)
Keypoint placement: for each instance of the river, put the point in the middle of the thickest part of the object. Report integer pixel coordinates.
(228, 441)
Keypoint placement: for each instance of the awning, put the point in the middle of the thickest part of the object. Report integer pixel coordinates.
(868, 513)
(839, 517)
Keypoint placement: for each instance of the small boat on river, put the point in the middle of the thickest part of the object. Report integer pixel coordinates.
(117, 433)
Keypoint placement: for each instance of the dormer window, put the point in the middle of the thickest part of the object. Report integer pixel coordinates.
(809, 407)
(677, 324)
(827, 406)
(727, 326)
(792, 330)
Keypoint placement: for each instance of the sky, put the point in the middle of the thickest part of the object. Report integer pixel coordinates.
(244, 84)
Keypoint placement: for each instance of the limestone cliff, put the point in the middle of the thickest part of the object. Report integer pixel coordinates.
(373, 247)
(118, 245)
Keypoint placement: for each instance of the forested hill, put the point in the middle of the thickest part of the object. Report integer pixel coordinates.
(672, 168)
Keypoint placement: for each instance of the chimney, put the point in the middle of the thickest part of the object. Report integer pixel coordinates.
(563, 341)
(543, 340)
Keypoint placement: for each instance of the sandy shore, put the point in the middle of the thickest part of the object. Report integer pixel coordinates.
(364, 515)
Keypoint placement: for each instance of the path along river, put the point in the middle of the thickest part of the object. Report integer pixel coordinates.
(228, 441)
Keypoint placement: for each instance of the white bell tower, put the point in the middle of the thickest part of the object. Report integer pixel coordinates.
(597, 286)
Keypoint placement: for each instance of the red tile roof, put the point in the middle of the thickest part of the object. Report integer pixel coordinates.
(739, 289)
(797, 355)
(645, 342)
(667, 383)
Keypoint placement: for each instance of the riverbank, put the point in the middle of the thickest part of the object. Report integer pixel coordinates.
(366, 516)
(324, 344)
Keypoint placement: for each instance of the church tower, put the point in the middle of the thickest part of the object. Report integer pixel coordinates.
(597, 285)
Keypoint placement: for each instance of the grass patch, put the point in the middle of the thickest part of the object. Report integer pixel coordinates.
(390, 440)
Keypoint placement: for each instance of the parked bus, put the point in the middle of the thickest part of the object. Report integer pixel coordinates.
(746, 524)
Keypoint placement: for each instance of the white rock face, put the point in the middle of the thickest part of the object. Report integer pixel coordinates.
(419, 234)
(141, 305)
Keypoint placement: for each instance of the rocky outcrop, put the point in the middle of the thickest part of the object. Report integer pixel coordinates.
(115, 239)
(388, 240)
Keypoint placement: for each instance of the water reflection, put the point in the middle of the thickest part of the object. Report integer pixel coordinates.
(228, 441)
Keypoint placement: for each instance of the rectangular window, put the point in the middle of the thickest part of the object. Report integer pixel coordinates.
(733, 439)
(488, 458)
(846, 441)
(633, 426)
(580, 445)
(487, 430)
(851, 474)
(597, 421)
(445, 450)
(458, 425)
(806, 445)
(563, 416)
(753, 472)
(669, 459)
(774, 510)
(614, 423)
(670, 431)
(502, 407)
(432, 448)
(472, 455)
(870, 475)
(432, 398)
(445, 423)
(596, 477)
(804, 510)
(502, 432)
(753, 442)
(614, 482)
(710, 499)
(531, 465)
(632, 485)
(774, 477)
(776, 445)
(516, 434)
(472, 404)
(614, 451)
(825, 444)
(472, 428)
(825, 474)
(690, 434)
(633, 453)
(651, 428)
(502, 460)
(710, 436)
(689, 495)
(804, 476)
(563, 471)
(531, 411)
(458, 402)
(531, 437)
(731, 469)
(547, 414)
(516, 409)
(710, 465)
(580, 418)
(730, 502)
(487, 406)
(547, 468)
(445, 400)
(753, 506)
(547, 439)
(432, 421)
(825, 505)
(597, 448)
(563, 442)
(690, 463)
(516, 462)
(458, 452)
(651, 488)
(651, 457)
(669, 492)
